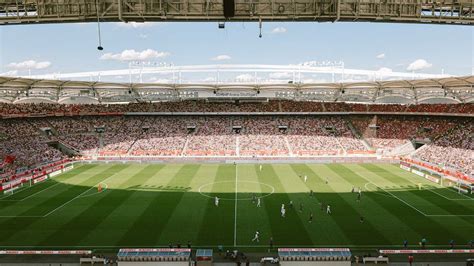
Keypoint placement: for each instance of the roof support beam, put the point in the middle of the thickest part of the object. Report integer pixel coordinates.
(119, 11)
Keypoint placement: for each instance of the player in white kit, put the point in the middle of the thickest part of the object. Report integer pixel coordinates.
(256, 237)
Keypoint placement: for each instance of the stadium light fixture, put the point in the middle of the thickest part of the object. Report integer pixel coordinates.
(281, 8)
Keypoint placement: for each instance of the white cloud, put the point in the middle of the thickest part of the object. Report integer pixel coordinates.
(131, 55)
(385, 70)
(278, 30)
(209, 79)
(143, 36)
(221, 57)
(136, 25)
(419, 64)
(280, 75)
(380, 56)
(245, 77)
(159, 80)
(30, 64)
(313, 80)
(10, 73)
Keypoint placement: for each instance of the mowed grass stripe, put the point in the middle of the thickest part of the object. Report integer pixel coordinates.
(143, 229)
(299, 193)
(428, 226)
(150, 225)
(42, 203)
(344, 212)
(189, 210)
(249, 217)
(219, 221)
(28, 191)
(47, 226)
(448, 194)
(18, 201)
(285, 231)
(398, 188)
(322, 228)
(381, 210)
(439, 205)
(129, 207)
(328, 228)
(443, 192)
(28, 230)
(98, 208)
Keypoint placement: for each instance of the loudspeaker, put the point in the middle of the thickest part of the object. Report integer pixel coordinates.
(229, 8)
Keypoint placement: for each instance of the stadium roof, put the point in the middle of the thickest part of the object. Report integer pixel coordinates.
(443, 90)
(419, 11)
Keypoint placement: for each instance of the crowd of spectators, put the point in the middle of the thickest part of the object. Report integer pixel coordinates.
(391, 131)
(26, 139)
(159, 136)
(204, 106)
(26, 152)
(85, 143)
(454, 149)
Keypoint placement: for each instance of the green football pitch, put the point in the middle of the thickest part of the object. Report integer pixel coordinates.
(153, 205)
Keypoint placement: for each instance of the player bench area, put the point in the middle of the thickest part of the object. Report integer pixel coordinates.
(172, 256)
(315, 256)
(286, 256)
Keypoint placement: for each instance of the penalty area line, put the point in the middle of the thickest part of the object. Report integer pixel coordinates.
(406, 203)
(78, 196)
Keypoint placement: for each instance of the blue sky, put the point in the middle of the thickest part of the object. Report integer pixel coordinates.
(72, 47)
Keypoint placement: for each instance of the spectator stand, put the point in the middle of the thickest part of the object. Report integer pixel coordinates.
(315, 256)
(154, 256)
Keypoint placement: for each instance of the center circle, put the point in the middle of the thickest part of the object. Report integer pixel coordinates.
(246, 190)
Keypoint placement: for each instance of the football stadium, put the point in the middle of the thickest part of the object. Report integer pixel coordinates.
(180, 151)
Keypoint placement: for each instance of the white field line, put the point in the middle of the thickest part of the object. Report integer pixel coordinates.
(441, 195)
(462, 194)
(440, 187)
(78, 196)
(406, 203)
(424, 214)
(372, 191)
(69, 201)
(18, 191)
(1, 199)
(39, 192)
(93, 194)
(235, 207)
(27, 197)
